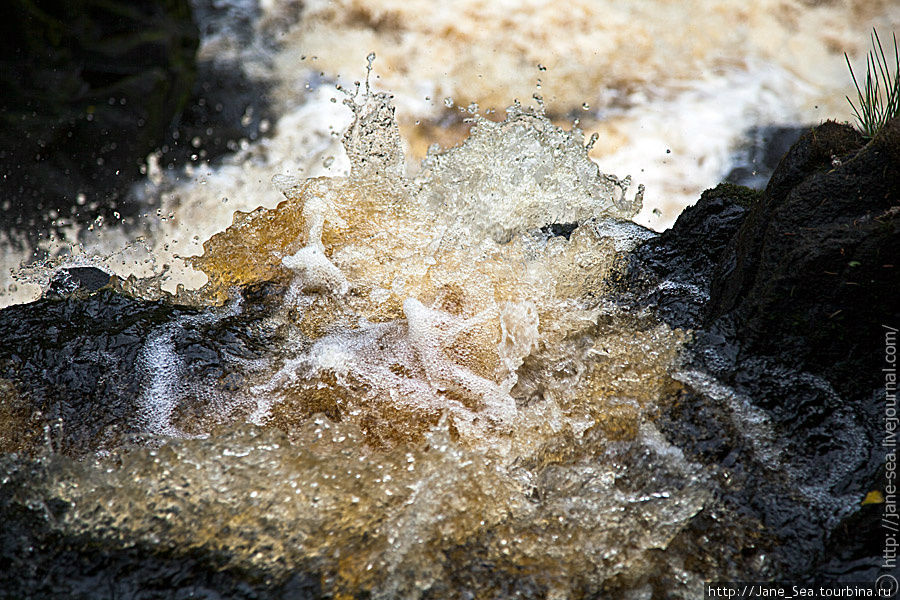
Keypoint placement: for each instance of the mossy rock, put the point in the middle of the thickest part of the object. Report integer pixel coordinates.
(812, 273)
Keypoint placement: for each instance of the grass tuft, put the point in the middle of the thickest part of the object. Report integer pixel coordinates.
(879, 100)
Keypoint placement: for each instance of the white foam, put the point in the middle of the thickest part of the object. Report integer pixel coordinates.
(163, 368)
(164, 373)
(429, 332)
(315, 272)
(681, 144)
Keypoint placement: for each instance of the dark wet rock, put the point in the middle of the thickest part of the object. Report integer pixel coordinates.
(89, 88)
(65, 355)
(806, 272)
(673, 271)
(787, 293)
(812, 274)
(855, 541)
(66, 282)
(559, 229)
(80, 361)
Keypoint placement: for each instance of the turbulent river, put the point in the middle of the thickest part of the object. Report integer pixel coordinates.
(423, 385)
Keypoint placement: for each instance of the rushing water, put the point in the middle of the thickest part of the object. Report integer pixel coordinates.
(671, 91)
(442, 400)
(452, 387)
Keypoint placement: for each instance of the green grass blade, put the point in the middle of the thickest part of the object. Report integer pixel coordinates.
(879, 98)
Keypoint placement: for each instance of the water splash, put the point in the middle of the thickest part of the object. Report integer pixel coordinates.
(455, 389)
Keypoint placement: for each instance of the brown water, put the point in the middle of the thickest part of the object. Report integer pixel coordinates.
(455, 392)
(457, 409)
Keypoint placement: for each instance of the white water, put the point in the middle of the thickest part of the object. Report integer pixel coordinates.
(669, 89)
(451, 294)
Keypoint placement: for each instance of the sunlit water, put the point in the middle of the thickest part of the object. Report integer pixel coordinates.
(671, 91)
(453, 379)
(455, 393)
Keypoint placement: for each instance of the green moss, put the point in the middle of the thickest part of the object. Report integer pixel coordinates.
(738, 194)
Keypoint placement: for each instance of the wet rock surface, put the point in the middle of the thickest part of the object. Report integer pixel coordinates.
(812, 272)
(66, 282)
(788, 292)
(75, 361)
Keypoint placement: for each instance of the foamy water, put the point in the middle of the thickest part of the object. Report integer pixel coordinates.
(669, 89)
(449, 374)
(450, 386)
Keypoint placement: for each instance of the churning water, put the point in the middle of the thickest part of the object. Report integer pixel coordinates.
(450, 405)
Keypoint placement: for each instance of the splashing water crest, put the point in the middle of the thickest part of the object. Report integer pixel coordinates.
(454, 389)
(443, 401)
